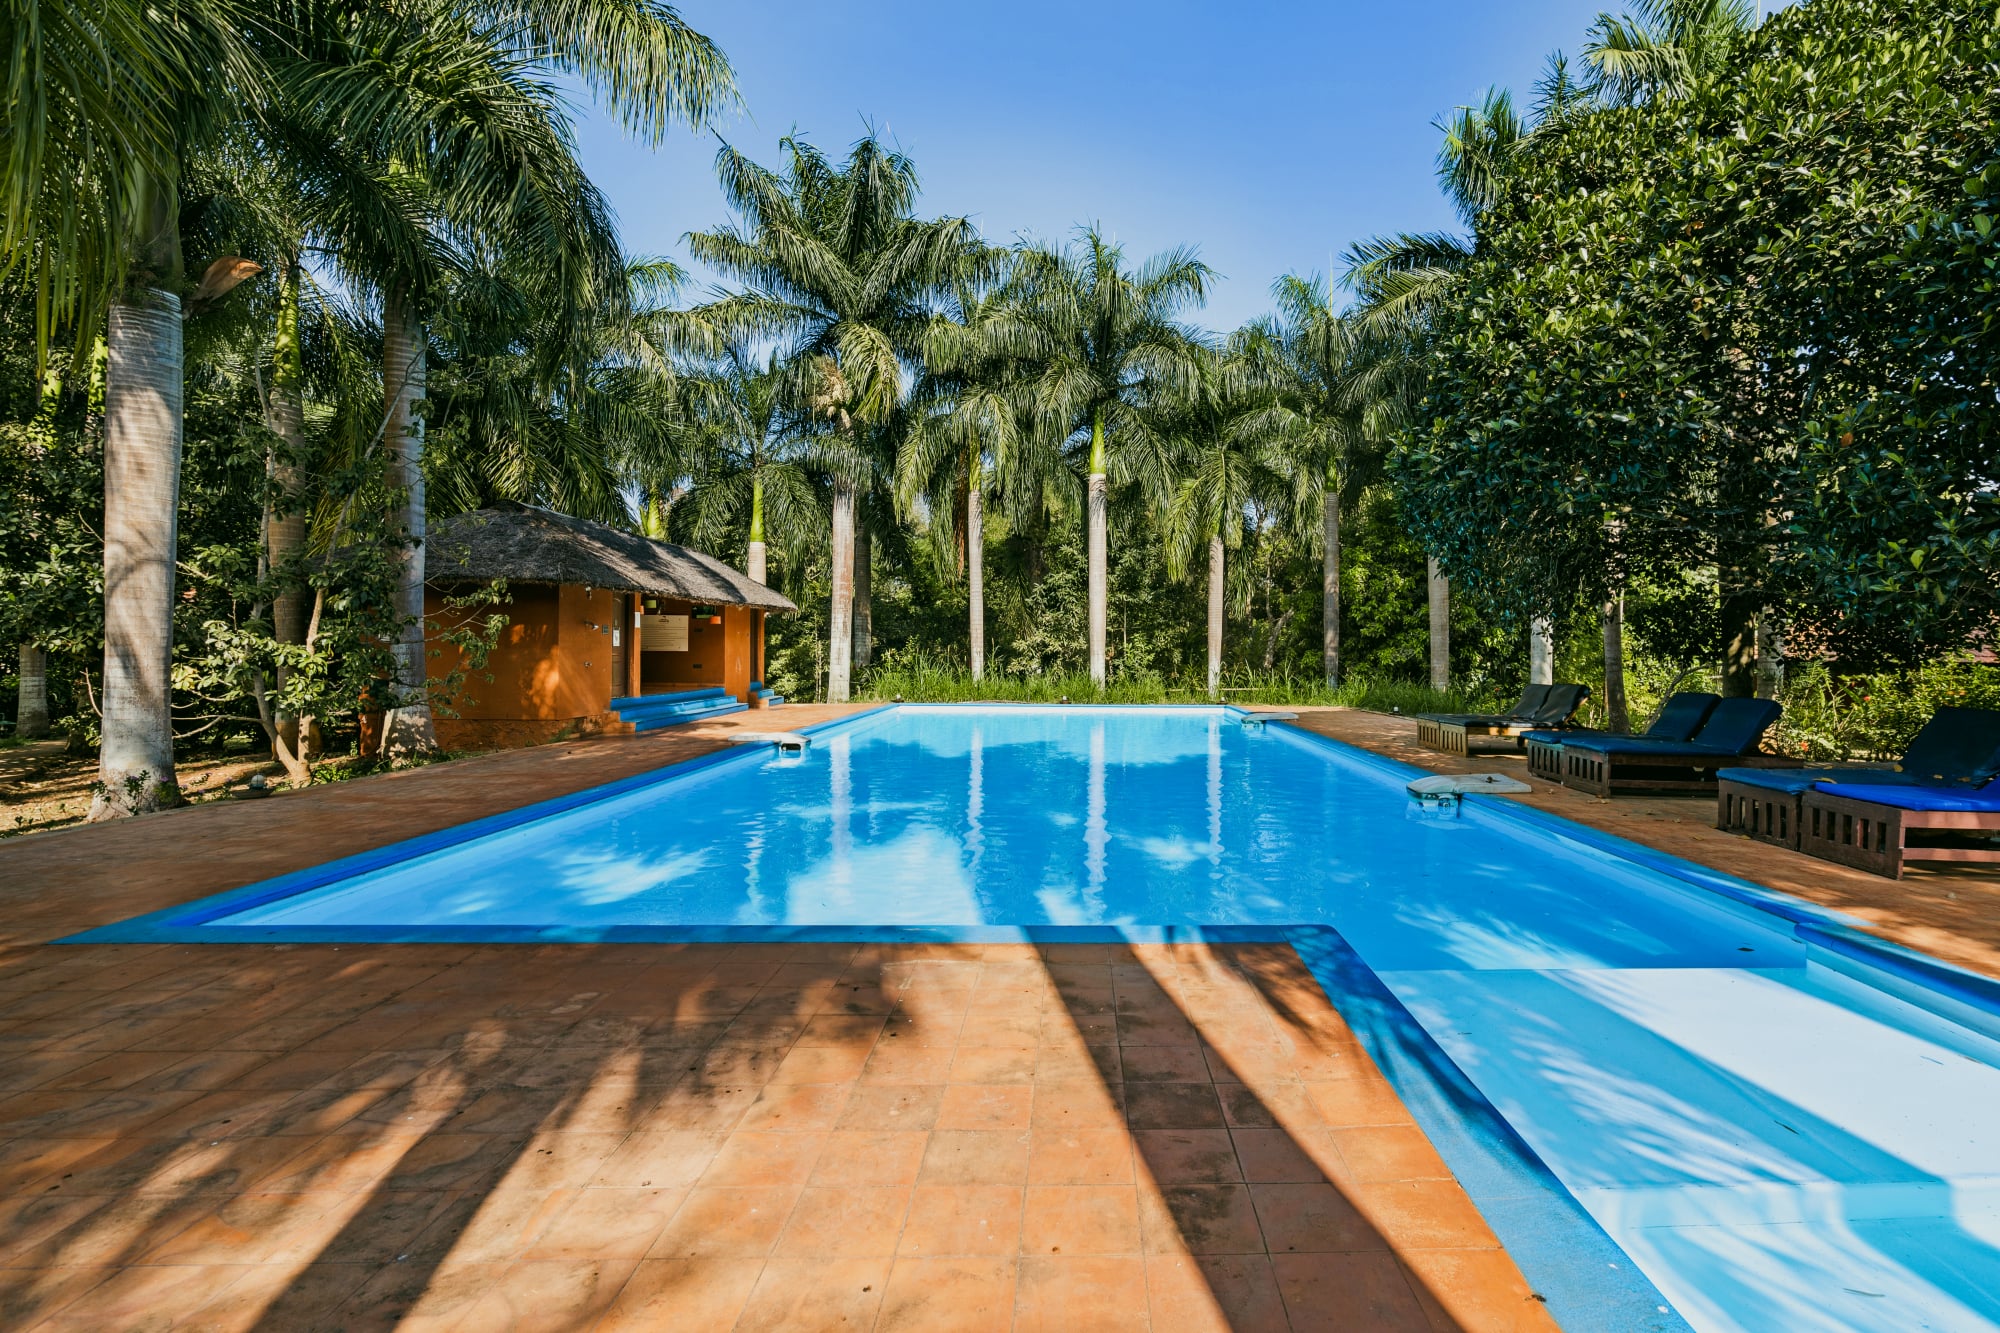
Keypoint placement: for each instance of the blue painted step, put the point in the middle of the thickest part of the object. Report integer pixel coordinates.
(763, 695)
(649, 712)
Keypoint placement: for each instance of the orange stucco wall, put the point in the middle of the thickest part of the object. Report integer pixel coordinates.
(553, 666)
(553, 661)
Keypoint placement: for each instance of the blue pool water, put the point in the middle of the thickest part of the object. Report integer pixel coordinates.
(1773, 1132)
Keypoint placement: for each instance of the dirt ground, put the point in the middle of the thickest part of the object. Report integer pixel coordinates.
(44, 786)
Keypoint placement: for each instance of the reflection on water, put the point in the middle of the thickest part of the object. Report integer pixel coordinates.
(963, 816)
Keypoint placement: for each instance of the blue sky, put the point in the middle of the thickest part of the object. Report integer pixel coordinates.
(1269, 136)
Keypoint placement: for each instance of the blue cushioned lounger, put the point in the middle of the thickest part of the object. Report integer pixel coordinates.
(1958, 748)
(1608, 765)
(1879, 827)
(1678, 719)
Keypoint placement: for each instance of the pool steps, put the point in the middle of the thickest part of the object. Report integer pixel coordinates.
(650, 712)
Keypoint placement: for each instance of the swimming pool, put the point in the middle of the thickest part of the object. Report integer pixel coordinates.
(1764, 1122)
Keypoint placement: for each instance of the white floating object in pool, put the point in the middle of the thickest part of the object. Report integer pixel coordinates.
(1263, 715)
(1446, 788)
(788, 742)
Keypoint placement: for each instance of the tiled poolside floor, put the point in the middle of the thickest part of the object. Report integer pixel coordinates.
(755, 1137)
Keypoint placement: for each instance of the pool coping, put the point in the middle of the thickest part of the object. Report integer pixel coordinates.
(1569, 1258)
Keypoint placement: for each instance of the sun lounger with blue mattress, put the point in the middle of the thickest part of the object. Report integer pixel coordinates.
(1678, 720)
(1612, 765)
(1959, 748)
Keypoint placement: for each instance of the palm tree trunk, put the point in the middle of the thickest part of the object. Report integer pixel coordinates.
(1620, 718)
(1096, 506)
(1329, 619)
(1541, 652)
(755, 557)
(31, 715)
(1215, 584)
(975, 571)
(142, 467)
(407, 727)
(864, 598)
(840, 616)
(285, 529)
(1440, 599)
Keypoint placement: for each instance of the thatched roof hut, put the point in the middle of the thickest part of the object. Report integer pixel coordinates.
(524, 544)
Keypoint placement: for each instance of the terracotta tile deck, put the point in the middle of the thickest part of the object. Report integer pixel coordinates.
(744, 1136)
(687, 1137)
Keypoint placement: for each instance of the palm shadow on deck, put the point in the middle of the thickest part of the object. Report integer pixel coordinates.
(659, 1136)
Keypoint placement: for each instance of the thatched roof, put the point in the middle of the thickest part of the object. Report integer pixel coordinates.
(523, 544)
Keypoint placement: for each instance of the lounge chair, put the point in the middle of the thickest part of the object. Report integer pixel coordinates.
(1678, 720)
(1429, 725)
(1869, 826)
(1958, 749)
(1610, 765)
(1552, 707)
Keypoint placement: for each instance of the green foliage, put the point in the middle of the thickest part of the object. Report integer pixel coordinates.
(1874, 716)
(1746, 328)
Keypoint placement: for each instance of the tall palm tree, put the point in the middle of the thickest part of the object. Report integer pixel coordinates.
(1226, 452)
(835, 264)
(1329, 401)
(107, 104)
(1108, 344)
(973, 427)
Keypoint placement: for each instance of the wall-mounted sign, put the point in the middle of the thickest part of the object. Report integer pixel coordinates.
(664, 634)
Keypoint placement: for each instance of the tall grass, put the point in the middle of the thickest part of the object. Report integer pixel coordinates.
(919, 679)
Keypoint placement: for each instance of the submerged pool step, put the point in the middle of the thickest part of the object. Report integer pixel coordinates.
(649, 712)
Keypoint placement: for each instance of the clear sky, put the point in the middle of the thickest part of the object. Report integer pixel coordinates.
(1267, 135)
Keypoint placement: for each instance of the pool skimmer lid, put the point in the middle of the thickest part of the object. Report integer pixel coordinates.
(1445, 790)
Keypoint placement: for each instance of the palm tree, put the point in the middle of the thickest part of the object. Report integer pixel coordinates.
(1667, 49)
(973, 426)
(1108, 344)
(743, 459)
(123, 97)
(1330, 402)
(834, 263)
(1226, 451)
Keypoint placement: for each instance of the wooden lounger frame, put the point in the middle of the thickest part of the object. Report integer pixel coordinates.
(1457, 737)
(1876, 838)
(1545, 759)
(1598, 773)
(1758, 812)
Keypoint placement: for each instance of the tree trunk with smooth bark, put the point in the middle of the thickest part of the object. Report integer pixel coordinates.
(840, 616)
(285, 526)
(1439, 588)
(407, 728)
(1541, 652)
(31, 714)
(1216, 557)
(142, 466)
(1618, 714)
(756, 556)
(1329, 618)
(1096, 505)
(864, 598)
(975, 573)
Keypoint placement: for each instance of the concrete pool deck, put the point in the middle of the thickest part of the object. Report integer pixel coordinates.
(750, 1136)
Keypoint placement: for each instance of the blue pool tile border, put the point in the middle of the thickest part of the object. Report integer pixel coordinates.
(182, 924)
(1568, 1259)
